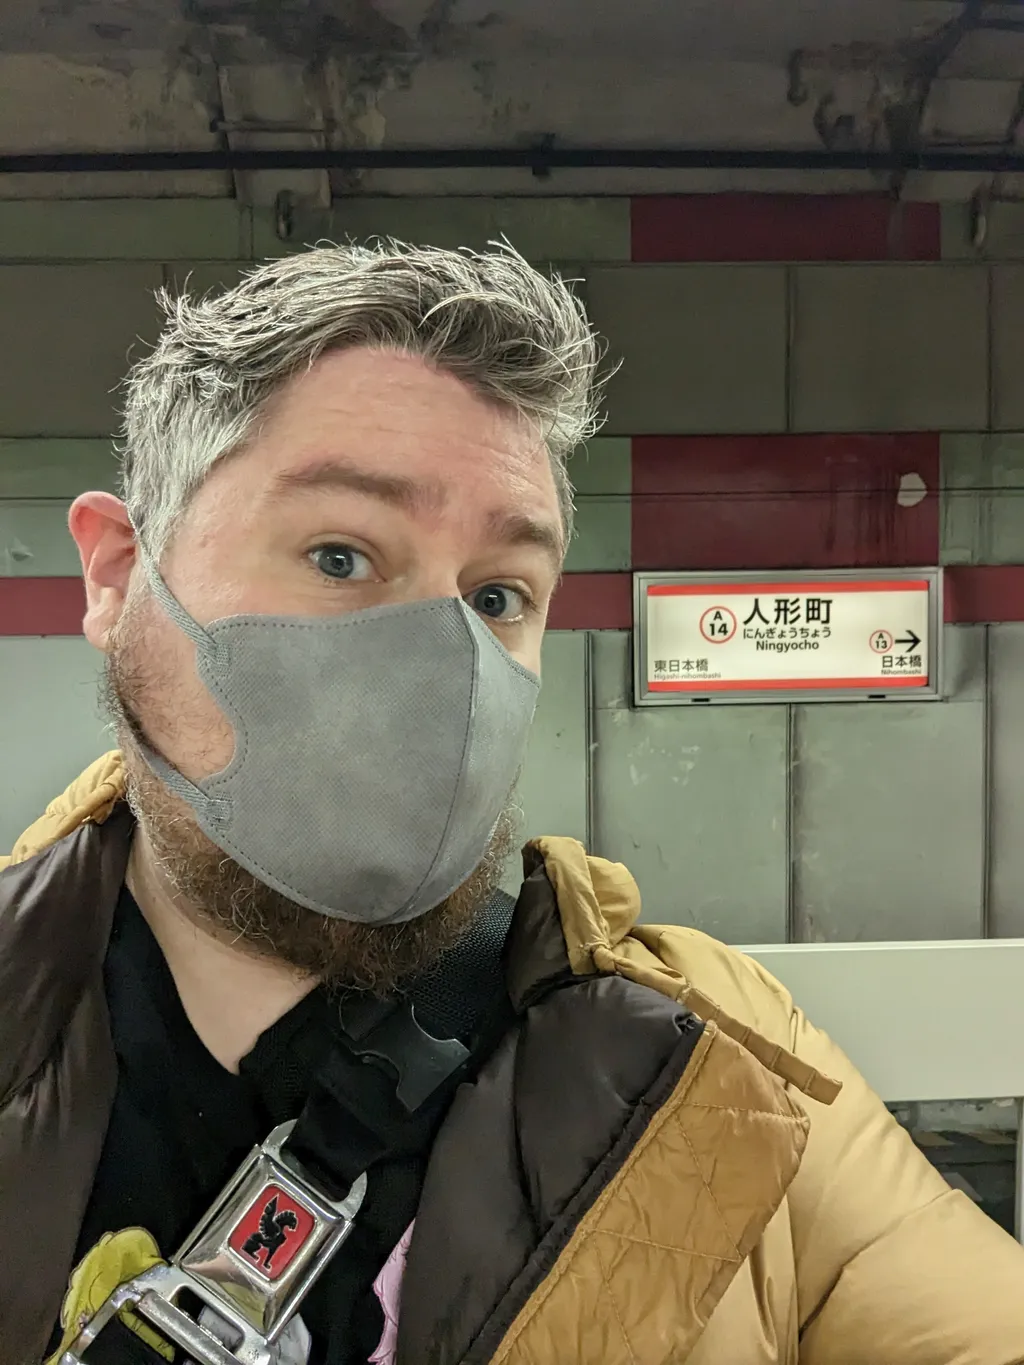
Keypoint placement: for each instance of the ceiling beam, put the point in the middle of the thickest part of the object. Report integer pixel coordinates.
(541, 159)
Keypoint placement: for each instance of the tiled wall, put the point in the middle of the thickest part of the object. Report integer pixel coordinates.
(806, 383)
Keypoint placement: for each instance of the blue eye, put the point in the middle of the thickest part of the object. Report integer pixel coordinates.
(498, 602)
(341, 561)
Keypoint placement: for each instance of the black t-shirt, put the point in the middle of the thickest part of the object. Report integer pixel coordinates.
(181, 1124)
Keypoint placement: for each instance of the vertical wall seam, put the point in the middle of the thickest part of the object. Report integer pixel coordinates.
(248, 242)
(984, 479)
(790, 829)
(947, 521)
(986, 790)
(787, 362)
(589, 743)
(990, 347)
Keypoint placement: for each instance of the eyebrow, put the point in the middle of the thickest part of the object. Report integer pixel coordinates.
(410, 495)
(516, 529)
(394, 489)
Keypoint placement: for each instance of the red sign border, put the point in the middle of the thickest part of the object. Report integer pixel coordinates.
(713, 588)
(756, 586)
(791, 684)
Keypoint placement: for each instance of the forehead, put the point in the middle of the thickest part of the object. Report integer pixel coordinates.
(397, 414)
(390, 428)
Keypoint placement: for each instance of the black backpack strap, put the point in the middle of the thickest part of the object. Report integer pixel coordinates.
(385, 1089)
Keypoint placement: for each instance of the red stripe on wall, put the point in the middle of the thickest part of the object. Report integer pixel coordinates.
(584, 601)
(41, 606)
(782, 227)
(984, 592)
(55, 606)
(593, 601)
(972, 594)
(785, 502)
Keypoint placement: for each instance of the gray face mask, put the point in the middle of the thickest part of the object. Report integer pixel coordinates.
(374, 752)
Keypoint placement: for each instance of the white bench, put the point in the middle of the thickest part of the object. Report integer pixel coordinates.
(922, 1021)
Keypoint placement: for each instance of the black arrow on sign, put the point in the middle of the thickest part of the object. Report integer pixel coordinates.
(911, 642)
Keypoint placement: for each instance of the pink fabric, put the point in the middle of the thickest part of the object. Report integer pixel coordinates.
(388, 1288)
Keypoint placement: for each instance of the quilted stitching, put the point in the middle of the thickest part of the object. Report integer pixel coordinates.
(693, 1243)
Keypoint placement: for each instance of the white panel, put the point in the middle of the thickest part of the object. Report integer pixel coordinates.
(922, 1021)
(49, 701)
(1006, 847)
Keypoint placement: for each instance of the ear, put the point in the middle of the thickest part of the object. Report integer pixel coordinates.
(103, 533)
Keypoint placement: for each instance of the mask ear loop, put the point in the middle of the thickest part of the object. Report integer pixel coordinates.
(172, 607)
(212, 811)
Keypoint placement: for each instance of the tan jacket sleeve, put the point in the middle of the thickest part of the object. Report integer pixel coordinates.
(893, 1267)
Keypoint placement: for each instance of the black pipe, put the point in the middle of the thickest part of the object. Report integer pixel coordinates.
(540, 160)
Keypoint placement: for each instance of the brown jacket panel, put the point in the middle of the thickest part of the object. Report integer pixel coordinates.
(57, 1068)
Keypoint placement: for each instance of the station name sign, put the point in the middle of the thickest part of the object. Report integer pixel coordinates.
(817, 636)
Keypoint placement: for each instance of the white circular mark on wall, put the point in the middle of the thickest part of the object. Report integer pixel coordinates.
(913, 490)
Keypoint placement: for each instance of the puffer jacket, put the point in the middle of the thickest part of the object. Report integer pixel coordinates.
(653, 1167)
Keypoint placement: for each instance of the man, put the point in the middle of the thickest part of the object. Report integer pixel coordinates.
(535, 1137)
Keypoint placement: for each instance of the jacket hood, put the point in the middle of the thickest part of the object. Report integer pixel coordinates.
(88, 800)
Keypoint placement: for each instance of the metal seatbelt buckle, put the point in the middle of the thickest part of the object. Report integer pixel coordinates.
(251, 1260)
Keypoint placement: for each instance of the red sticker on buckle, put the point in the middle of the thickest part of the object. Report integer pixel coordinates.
(272, 1232)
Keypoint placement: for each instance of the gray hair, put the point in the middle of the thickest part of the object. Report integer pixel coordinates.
(518, 338)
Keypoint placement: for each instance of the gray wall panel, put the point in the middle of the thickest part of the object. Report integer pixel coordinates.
(543, 229)
(601, 541)
(67, 336)
(35, 540)
(56, 468)
(703, 347)
(983, 498)
(612, 669)
(694, 802)
(51, 724)
(1007, 346)
(602, 467)
(889, 347)
(1004, 234)
(553, 787)
(124, 229)
(1006, 834)
(888, 812)
(601, 473)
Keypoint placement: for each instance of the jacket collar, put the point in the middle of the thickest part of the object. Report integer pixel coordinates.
(62, 897)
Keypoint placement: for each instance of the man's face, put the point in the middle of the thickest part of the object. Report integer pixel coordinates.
(372, 480)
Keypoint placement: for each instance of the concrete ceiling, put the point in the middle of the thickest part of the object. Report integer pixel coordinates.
(137, 75)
